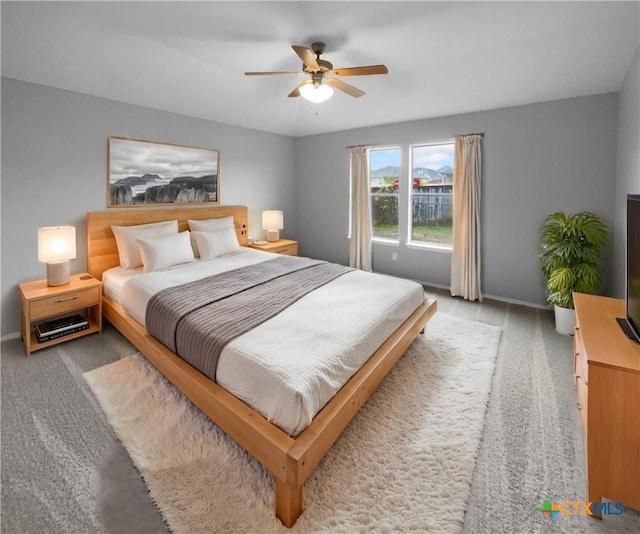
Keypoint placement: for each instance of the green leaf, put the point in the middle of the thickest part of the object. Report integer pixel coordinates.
(561, 278)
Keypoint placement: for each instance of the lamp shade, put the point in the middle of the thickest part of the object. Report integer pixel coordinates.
(56, 243)
(272, 220)
(315, 92)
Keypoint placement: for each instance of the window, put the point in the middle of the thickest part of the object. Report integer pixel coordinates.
(432, 193)
(423, 194)
(384, 169)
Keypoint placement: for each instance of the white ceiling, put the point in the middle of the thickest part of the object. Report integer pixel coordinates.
(444, 58)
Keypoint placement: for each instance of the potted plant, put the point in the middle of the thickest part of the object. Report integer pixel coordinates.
(570, 250)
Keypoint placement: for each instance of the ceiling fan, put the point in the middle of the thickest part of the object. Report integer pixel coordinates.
(319, 87)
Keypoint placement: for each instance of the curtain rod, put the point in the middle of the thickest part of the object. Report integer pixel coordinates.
(481, 134)
(369, 145)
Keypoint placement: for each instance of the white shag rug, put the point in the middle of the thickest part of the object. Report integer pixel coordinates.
(404, 463)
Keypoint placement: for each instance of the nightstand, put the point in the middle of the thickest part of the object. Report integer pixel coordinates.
(282, 246)
(38, 302)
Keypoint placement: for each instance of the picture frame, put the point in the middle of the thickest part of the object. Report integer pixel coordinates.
(151, 173)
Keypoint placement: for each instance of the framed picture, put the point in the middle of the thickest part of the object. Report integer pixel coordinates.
(147, 173)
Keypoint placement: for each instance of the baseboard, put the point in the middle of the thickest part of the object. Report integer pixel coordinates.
(492, 297)
(519, 302)
(13, 335)
(437, 286)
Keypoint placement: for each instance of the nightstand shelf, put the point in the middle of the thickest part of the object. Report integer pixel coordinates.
(35, 345)
(39, 302)
(289, 247)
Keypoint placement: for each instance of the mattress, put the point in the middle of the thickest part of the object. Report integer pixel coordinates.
(113, 281)
(290, 366)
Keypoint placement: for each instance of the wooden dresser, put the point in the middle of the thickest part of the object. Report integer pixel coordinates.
(607, 371)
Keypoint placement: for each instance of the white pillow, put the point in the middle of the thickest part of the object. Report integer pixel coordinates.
(161, 252)
(211, 225)
(214, 244)
(126, 237)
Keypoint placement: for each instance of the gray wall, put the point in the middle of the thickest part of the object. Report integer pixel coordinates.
(54, 149)
(628, 170)
(537, 159)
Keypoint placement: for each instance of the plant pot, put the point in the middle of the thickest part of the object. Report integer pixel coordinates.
(565, 320)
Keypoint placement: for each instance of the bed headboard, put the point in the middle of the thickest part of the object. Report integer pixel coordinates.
(102, 252)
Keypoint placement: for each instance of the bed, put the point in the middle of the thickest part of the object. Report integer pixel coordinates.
(289, 451)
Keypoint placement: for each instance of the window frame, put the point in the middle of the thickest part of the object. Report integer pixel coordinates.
(405, 198)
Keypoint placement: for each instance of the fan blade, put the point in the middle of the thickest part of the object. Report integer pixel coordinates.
(345, 87)
(306, 55)
(275, 73)
(295, 92)
(361, 71)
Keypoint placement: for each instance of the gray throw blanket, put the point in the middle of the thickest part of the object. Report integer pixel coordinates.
(198, 319)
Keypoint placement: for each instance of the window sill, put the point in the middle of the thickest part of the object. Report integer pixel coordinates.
(433, 247)
(386, 242)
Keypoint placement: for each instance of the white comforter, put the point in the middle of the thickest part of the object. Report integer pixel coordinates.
(289, 367)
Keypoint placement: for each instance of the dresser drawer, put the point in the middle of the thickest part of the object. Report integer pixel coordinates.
(583, 406)
(62, 303)
(581, 368)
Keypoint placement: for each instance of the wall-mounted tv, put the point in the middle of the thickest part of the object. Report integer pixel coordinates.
(631, 323)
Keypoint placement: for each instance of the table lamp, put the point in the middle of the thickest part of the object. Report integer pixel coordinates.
(56, 246)
(273, 222)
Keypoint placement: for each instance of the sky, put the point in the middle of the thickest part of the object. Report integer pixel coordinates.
(130, 157)
(428, 157)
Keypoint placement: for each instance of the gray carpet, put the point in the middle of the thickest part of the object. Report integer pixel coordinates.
(63, 469)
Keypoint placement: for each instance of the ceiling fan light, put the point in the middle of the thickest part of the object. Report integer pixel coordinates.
(315, 93)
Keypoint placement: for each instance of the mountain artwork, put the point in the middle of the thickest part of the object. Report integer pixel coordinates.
(151, 173)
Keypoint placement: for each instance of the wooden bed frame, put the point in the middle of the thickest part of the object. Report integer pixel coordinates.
(290, 460)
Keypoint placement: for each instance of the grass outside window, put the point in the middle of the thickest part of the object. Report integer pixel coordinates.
(441, 235)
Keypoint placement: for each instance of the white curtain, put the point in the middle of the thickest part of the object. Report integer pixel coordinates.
(360, 245)
(465, 259)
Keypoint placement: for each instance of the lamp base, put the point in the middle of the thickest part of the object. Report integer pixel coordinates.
(273, 235)
(58, 273)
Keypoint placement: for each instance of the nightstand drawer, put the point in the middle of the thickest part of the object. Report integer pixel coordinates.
(291, 250)
(62, 303)
(288, 247)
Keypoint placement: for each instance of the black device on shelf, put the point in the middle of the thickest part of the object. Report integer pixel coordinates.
(49, 337)
(63, 326)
